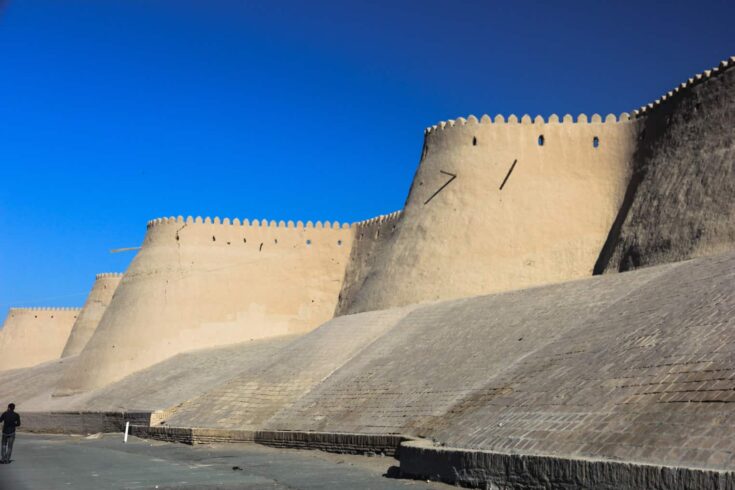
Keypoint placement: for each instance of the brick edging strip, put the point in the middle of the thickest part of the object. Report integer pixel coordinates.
(336, 442)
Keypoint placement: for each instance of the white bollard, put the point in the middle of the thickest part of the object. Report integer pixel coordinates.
(127, 427)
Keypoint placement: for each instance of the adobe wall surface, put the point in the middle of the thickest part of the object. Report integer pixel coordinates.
(97, 300)
(490, 209)
(680, 201)
(201, 284)
(34, 335)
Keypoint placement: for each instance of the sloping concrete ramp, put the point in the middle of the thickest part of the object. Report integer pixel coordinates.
(161, 386)
(635, 366)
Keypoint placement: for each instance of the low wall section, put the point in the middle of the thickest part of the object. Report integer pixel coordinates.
(34, 335)
(81, 422)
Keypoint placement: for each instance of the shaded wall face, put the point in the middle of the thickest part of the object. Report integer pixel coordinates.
(196, 285)
(99, 297)
(499, 206)
(34, 335)
(680, 201)
(370, 238)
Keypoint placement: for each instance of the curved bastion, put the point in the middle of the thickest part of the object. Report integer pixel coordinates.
(498, 205)
(203, 283)
(34, 335)
(98, 299)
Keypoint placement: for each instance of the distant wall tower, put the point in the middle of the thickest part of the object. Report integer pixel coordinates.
(99, 297)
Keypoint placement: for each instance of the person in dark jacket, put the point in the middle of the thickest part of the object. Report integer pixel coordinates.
(10, 421)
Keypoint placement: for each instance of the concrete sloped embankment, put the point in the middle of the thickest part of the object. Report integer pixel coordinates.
(34, 335)
(86, 323)
(201, 284)
(625, 368)
(141, 397)
(250, 399)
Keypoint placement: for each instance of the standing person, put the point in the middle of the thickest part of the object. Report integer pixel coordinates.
(10, 421)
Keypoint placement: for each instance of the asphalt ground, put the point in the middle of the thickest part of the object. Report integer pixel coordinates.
(50, 462)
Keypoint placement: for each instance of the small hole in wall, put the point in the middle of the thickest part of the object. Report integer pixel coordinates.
(541, 140)
(474, 141)
(308, 242)
(261, 247)
(596, 142)
(339, 243)
(275, 240)
(52, 316)
(35, 316)
(213, 238)
(228, 243)
(244, 240)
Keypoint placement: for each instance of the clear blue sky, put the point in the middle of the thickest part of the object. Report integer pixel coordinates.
(116, 112)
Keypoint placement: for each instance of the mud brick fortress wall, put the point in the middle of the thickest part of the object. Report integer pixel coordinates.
(34, 335)
(202, 283)
(470, 317)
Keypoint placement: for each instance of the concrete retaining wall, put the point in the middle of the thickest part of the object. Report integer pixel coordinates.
(484, 469)
(350, 443)
(81, 422)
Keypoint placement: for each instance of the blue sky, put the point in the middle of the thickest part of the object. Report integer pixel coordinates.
(113, 113)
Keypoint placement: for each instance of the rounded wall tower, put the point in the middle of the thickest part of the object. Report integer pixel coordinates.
(499, 205)
(204, 283)
(99, 297)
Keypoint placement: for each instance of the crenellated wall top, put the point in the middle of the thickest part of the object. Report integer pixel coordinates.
(198, 220)
(108, 274)
(526, 119)
(383, 218)
(624, 117)
(44, 308)
(687, 85)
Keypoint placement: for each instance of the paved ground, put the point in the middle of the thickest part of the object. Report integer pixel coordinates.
(57, 462)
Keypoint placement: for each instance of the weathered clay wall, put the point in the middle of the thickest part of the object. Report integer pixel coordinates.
(370, 237)
(679, 203)
(492, 209)
(34, 335)
(99, 297)
(197, 284)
